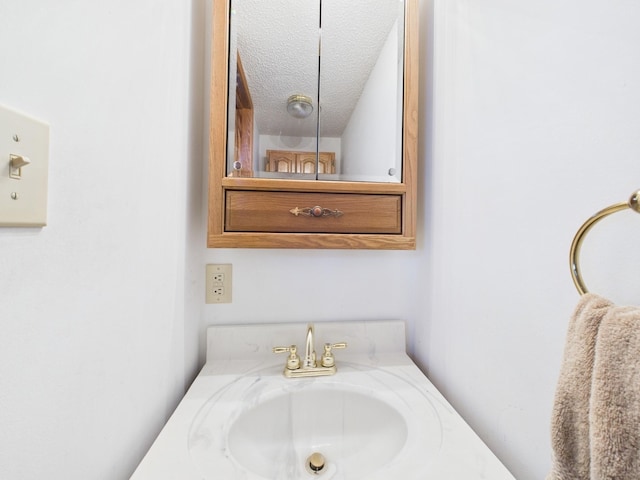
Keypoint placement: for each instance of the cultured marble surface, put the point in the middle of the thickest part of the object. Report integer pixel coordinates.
(241, 372)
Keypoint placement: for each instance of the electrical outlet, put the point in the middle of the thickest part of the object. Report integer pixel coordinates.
(218, 278)
(218, 283)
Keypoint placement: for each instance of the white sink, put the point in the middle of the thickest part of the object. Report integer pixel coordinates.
(363, 422)
(355, 433)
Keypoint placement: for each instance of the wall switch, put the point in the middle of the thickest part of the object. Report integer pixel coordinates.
(24, 162)
(218, 283)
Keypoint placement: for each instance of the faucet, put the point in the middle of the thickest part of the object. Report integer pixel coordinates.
(309, 366)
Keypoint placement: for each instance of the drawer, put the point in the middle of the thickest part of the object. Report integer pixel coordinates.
(295, 212)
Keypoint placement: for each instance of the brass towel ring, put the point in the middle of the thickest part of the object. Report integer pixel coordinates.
(574, 254)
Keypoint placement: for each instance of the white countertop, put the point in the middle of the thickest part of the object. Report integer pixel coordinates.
(240, 357)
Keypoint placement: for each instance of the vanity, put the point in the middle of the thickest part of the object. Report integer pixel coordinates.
(364, 412)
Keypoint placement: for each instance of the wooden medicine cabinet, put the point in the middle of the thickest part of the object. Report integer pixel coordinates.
(313, 138)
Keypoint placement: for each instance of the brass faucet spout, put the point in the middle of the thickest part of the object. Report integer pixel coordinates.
(309, 350)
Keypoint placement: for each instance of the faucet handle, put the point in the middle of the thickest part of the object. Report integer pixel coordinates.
(328, 359)
(293, 361)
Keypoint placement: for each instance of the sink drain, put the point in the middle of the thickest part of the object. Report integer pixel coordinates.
(315, 463)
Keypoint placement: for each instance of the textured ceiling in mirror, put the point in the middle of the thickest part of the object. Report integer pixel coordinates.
(278, 44)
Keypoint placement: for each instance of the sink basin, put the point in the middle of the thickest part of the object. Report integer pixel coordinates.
(355, 433)
(364, 423)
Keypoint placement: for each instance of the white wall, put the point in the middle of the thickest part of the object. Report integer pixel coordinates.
(534, 129)
(92, 307)
(529, 125)
(372, 140)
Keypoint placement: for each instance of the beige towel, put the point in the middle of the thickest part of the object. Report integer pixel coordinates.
(595, 423)
(615, 397)
(570, 416)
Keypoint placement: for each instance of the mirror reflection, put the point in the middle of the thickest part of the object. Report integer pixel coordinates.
(318, 89)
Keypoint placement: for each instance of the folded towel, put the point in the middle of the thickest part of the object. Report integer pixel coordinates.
(615, 397)
(595, 423)
(570, 415)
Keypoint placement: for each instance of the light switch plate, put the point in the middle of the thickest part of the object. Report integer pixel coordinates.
(23, 191)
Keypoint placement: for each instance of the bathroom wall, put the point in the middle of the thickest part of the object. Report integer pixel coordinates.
(533, 129)
(529, 125)
(372, 140)
(93, 306)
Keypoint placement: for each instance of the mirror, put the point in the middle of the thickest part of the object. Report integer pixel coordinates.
(318, 90)
(288, 167)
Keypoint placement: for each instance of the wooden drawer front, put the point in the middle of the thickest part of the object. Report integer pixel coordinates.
(253, 211)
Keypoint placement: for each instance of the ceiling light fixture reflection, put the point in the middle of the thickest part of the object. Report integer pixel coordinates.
(299, 106)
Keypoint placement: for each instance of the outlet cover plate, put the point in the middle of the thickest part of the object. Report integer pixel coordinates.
(218, 283)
